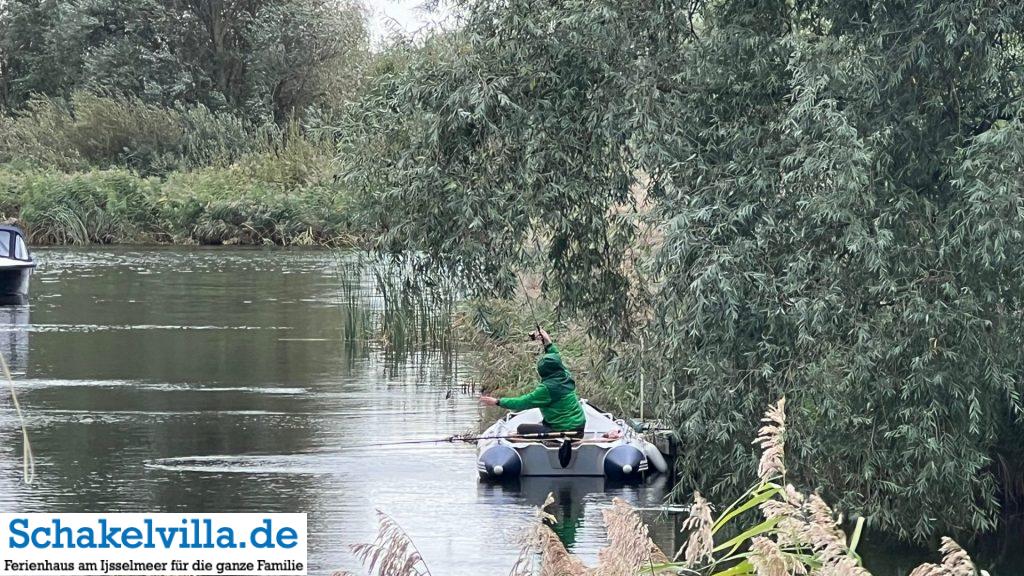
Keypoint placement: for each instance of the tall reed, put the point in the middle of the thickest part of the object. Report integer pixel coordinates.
(28, 459)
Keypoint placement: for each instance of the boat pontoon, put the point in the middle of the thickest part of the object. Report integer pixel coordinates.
(609, 448)
(16, 266)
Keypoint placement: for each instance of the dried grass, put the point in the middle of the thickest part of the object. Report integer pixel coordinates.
(630, 549)
(392, 553)
(955, 562)
(770, 438)
(768, 559)
(555, 559)
(28, 459)
(700, 543)
(541, 550)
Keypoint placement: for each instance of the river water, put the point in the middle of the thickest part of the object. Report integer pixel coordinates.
(224, 380)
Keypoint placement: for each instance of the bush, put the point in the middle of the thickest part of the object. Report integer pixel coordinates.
(10, 194)
(239, 204)
(210, 206)
(91, 207)
(91, 131)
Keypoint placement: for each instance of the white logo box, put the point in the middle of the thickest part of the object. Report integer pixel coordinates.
(153, 544)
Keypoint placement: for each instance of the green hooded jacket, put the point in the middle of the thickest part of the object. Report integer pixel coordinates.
(555, 396)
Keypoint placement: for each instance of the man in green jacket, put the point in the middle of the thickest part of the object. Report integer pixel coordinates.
(555, 395)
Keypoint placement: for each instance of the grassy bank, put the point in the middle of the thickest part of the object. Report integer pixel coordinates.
(208, 206)
(284, 193)
(97, 169)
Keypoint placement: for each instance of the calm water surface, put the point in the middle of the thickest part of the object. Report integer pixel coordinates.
(221, 380)
(224, 380)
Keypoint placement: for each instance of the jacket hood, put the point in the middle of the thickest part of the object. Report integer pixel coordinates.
(548, 366)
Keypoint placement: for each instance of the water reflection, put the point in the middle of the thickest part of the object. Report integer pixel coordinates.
(245, 380)
(14, 338)
(579, 503)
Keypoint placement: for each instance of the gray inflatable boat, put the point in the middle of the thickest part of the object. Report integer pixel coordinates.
(609, 448)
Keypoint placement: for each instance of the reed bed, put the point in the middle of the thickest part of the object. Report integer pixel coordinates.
(231, 205)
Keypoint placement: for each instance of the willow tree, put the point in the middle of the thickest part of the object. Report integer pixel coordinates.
(507, 140)
(838, 187)
(262, 59)
(845, 226)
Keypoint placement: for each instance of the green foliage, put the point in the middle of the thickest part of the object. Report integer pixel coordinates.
(306, 53)
(97, 207)
(96, 131)
(470, 147)
(835, 190)
(260, 59)
(210, 206)
(217, 206)
(843, 232)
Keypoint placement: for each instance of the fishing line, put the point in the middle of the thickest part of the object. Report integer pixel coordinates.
(27, 458)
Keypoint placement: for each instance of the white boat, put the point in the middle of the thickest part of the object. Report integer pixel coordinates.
(16, 266)
(609, 448)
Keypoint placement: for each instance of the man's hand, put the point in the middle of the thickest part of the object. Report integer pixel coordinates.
(542, 335)
(488, 401)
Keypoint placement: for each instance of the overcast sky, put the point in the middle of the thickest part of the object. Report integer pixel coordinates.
(406, 15)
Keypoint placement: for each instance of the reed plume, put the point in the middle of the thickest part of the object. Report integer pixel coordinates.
(540, 543)
(555, 559)
(392, 553)
(955, 562)
(770, 438)
(768, 559)
(630, 549)
(700, 543)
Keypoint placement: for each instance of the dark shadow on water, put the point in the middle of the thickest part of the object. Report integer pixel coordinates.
(1001, 553)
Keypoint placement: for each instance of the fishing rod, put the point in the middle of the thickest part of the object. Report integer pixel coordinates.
(526, 293)
(529, 301)
(470, 438)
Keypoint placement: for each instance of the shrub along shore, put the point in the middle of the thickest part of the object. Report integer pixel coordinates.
(116, 170)
(209, 206)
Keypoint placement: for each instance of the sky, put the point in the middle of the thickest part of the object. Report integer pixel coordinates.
(407, 15)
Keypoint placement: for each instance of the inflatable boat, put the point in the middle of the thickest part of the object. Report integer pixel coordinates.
(609, 448)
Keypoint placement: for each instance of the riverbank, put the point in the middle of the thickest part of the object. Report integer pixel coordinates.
(95, 169)
(238, 204)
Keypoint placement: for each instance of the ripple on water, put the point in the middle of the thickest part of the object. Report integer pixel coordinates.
(43, 383)
(114, 327)
(255, 464)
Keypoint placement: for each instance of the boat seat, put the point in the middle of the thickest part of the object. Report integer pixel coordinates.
(555, 442)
